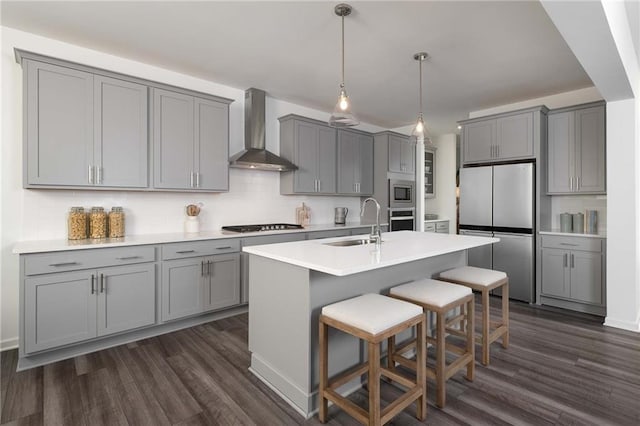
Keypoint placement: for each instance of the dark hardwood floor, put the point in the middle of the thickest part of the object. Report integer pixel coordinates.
(561, 368)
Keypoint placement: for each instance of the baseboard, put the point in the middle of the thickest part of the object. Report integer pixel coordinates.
(9, 344)
(624, 325)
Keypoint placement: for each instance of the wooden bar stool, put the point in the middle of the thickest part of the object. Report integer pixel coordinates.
(485, 280)
(372, 318)
(440, 297)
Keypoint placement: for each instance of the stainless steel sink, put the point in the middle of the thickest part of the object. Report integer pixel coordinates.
(347, 243)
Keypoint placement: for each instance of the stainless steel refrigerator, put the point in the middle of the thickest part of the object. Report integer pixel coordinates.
(499, 201)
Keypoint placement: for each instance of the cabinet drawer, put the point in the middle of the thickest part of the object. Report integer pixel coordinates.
(442, 226)
(199, 248)
(572, 243)
(85, 259)
(272, 239)
(430, 227)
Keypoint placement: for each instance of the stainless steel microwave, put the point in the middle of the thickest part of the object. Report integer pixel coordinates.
(401, 193)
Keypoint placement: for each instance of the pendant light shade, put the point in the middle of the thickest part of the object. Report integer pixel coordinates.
(342, 115)
(420, 130)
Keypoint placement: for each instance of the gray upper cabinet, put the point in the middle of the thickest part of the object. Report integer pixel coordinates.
(83, 130)
(402, 154)
(577, 150)
(499, 138)
(355, 163)
(190, 140)
(310, 145)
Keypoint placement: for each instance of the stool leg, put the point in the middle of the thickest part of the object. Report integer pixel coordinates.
(440, 360)
(391, 351)
(485, 327)
(505, 315)
(462, 324)
(471, 346)
(324, 352)
(421, 365)
(374, 384)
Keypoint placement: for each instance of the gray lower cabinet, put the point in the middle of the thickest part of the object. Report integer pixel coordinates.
(190, 140)
(573, 271)
(310, 145)
(195, 285)
(71, 307)
(509, 136)
(441, 226)
(83, 130)
(355, 162)
(576, 141)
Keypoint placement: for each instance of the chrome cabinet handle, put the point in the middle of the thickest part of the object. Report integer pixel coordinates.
(223, 248)
(577, 183)
(209, 267)
(573, 263)
(564, 259)
(93, 278)
(128, 257)
(98, 175)
(185, 251)
(198, 180)
(498, 151)
(63, 264)
(102, 286)
(191, 179)
(202, 268)
(571, 183)
(90, 175)
(569, 244)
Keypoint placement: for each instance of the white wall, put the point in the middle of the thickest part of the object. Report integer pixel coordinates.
(444, 203)
(254, 196)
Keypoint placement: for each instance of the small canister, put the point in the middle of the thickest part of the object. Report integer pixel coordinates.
(566, 222)
(97, 223)
(77, 224)
(578, 223)
(116, 222)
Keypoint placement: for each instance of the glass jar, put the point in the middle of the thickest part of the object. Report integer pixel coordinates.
(77, 224)
(116, 222)
(97, 223)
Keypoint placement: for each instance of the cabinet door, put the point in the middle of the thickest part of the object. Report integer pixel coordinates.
(59, 125)
(365, 154)
(401, 154)
(126, 298)
(555, 272)
(408, 153)
(514, 136)
(306, 148)
(182, 287)
(120, 133)
(223, 285)
(429, 174)
(211, 154)
(348, 162)
(590, 150)
(561, 151)
(173, 140)
(59, 309)
(586, 276)
(478, 141)
(326, 160)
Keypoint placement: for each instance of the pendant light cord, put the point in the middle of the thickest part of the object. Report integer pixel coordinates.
(342, 85)
(420, 85)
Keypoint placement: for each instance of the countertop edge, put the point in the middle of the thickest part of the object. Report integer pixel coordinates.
(42, 246)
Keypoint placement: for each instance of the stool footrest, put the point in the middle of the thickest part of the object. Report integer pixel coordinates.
(348, 375)
(397, 378)
(456, 365)
(455, 320)
(400, 404)
(495, 334)
(360, 414)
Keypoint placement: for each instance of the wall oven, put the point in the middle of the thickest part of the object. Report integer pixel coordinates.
(401, 193)
(402, 219)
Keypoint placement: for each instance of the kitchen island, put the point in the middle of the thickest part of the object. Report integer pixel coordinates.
(291, 282)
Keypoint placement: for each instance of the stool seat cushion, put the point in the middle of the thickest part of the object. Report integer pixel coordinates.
(474, 275)
(372, 313)
(431, 292)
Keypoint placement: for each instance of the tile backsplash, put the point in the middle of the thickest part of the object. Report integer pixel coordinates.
(579, 204)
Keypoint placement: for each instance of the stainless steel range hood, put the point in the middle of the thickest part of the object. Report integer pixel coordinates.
(255, 156)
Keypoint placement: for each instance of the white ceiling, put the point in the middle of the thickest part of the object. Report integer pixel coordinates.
(483, 54)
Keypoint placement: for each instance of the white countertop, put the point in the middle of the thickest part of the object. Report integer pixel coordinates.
(397, 247)
(572, 234)
(24, 247)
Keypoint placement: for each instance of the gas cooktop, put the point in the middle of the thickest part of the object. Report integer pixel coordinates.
(258, 228)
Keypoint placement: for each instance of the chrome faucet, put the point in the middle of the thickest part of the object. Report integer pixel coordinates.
(375, 229)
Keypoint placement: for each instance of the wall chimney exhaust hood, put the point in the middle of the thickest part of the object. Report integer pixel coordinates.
(255, 156)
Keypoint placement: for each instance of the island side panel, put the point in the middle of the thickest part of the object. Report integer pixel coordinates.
(279, 321)
(344, 350)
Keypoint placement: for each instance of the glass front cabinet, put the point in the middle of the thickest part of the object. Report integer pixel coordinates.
(429, 172)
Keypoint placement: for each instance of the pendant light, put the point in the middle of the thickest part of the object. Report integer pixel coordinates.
(420, 130)
(342, 115)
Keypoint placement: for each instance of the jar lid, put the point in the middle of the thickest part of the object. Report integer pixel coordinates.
(97, 209)
(77, 209)
(116, 209)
